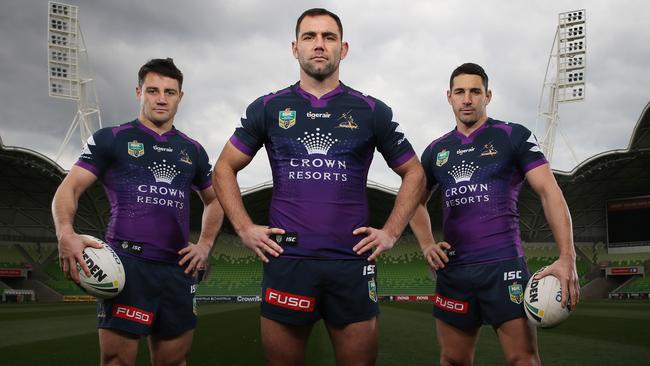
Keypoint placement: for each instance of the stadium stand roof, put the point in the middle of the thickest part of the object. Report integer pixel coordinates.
(602, 177)
(29, 179)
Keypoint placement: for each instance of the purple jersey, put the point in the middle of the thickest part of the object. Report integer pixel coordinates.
(147, 178)
(320, 151)
(479, 177)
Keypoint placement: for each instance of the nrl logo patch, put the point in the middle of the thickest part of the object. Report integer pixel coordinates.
(516, 292)
(372, 290)
(286, 118)
(135, 148)
(442, 158)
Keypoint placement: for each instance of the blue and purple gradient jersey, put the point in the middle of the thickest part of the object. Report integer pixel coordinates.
(148, 180)
(479, 177)
(320, 151)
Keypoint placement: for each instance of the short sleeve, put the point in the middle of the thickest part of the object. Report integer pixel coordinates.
(97, 153)
(391, 141)
(249, 136)
(527, 151)
(203, 176)
(427, 165)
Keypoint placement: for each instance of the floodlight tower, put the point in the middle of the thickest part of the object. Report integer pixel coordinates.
(69, 70)
(565, 75)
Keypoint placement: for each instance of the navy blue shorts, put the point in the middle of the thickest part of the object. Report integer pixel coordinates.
(302, 291)
(492, 293)
(157, 298)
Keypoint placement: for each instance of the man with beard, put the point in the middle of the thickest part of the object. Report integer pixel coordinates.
(479, 168)
(319, 252)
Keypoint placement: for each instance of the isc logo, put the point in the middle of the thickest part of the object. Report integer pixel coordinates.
(512, 275)
(289, 301)
(290, 239)
(133, 314)
(452, 305)
(369, 269)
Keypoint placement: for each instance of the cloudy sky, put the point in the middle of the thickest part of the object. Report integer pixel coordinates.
(401, 52)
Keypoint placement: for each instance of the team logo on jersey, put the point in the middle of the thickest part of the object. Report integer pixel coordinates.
(185, 157)
(463, 172)
(516, 292)
(442, 158)
(347, 121)
(286, 118)
(372, 290)
(135, 148)
(489, 150)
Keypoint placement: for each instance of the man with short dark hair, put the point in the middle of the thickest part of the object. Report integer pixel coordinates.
(320, 136)
(479, 168)
(148, 169)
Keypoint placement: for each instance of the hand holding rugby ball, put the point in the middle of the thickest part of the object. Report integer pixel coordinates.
(107, 275)
(543, 301)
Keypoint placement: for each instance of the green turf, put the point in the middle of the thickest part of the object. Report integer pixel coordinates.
(598, 333)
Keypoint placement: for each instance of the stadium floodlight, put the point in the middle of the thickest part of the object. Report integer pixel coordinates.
(69, 70)
(565, 75)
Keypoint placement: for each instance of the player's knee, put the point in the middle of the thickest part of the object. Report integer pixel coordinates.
(455, 359)
(524, 359)
(170, 358)
(178, 360)
(115, 359)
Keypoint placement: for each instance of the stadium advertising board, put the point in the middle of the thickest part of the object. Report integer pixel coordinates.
(410, 298)
(79, 298)
(624, 271)
(12, 272)
(627, 225)
(630, 295)
(219, 298)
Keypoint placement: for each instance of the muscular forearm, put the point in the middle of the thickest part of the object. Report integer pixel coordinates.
(211, 222)
(559, 219)
(227, 190)
(421, 226)
(405, 203)
(64, 207)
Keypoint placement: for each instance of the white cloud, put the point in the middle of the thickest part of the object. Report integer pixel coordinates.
(402, 53)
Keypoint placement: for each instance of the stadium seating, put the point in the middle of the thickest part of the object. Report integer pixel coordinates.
(39, 252)
(543, 254)
(639, 284)
(403, 270)
(57, 280)
(11, 257)
(234, 270)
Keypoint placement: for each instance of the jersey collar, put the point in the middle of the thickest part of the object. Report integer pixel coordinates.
(147, 130)
(470, 138)
(322, 101)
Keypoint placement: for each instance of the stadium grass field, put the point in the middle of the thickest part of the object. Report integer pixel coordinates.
(598, 333)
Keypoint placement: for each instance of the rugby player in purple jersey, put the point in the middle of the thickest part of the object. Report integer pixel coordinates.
(319, 250)
(479, 168)
(148, 169)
